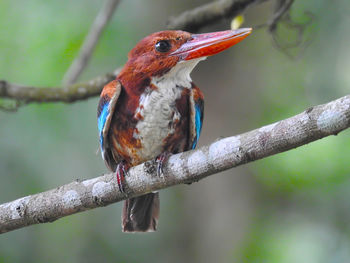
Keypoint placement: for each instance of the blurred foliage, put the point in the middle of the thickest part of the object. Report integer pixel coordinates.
(292, 207)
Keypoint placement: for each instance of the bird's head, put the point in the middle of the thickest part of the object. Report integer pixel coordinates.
(174, 52)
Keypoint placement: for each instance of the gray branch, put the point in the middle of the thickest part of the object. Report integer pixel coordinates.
(193, 20)
(74, 92)
(90, 42)
(313, 124)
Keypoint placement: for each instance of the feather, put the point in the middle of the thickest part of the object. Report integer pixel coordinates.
(197, 112)
(108, 100)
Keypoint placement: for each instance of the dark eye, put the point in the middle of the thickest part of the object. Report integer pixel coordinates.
(163, 46)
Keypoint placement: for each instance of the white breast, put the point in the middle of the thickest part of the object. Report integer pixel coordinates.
(158, 110)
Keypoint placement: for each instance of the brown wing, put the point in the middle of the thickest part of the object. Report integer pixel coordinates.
(108, 101)
(196, 115)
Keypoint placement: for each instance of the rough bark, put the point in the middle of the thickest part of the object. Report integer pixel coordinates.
(312, 124)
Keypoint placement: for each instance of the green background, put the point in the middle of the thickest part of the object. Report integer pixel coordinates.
(293, 207)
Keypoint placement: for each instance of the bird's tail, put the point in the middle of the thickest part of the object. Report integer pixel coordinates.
(140, 214)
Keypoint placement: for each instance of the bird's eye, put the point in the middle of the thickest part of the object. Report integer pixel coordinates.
(163, 46)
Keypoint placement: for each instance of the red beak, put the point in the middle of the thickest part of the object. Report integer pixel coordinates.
(208, 44)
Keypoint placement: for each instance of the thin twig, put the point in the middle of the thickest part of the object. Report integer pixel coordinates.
(313, 124)
(301, 42)
(282, 7)
(90, 42)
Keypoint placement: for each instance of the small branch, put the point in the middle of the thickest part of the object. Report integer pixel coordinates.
(193, 20)
(75, 92)
(81, 61)
(310, 125)
(282, 6)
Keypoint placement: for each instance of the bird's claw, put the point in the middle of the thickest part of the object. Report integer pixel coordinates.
(160, 160)
(121, 172)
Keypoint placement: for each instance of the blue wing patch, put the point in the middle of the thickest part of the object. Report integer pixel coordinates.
(101, 121)
(105, 111)
(198, 123)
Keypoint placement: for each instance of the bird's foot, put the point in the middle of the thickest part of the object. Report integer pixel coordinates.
(121, 172)
(160, 160)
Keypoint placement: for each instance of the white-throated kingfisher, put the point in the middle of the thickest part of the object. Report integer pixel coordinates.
(153, 109)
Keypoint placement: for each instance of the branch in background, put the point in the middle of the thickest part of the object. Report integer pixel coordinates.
(310, 125)
(75, 92)
(292, 47)
(191, 20)
(81, 61)
(282, 7)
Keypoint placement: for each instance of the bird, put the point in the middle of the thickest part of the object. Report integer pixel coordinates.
(152, 109)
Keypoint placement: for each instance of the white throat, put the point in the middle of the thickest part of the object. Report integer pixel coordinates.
(178, 75)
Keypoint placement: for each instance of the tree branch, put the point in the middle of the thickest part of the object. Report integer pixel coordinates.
(90, 42)
(79, 91)
(310, 125)
(282, 7)
(191, 20)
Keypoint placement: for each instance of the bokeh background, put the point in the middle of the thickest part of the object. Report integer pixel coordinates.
(293, 207)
